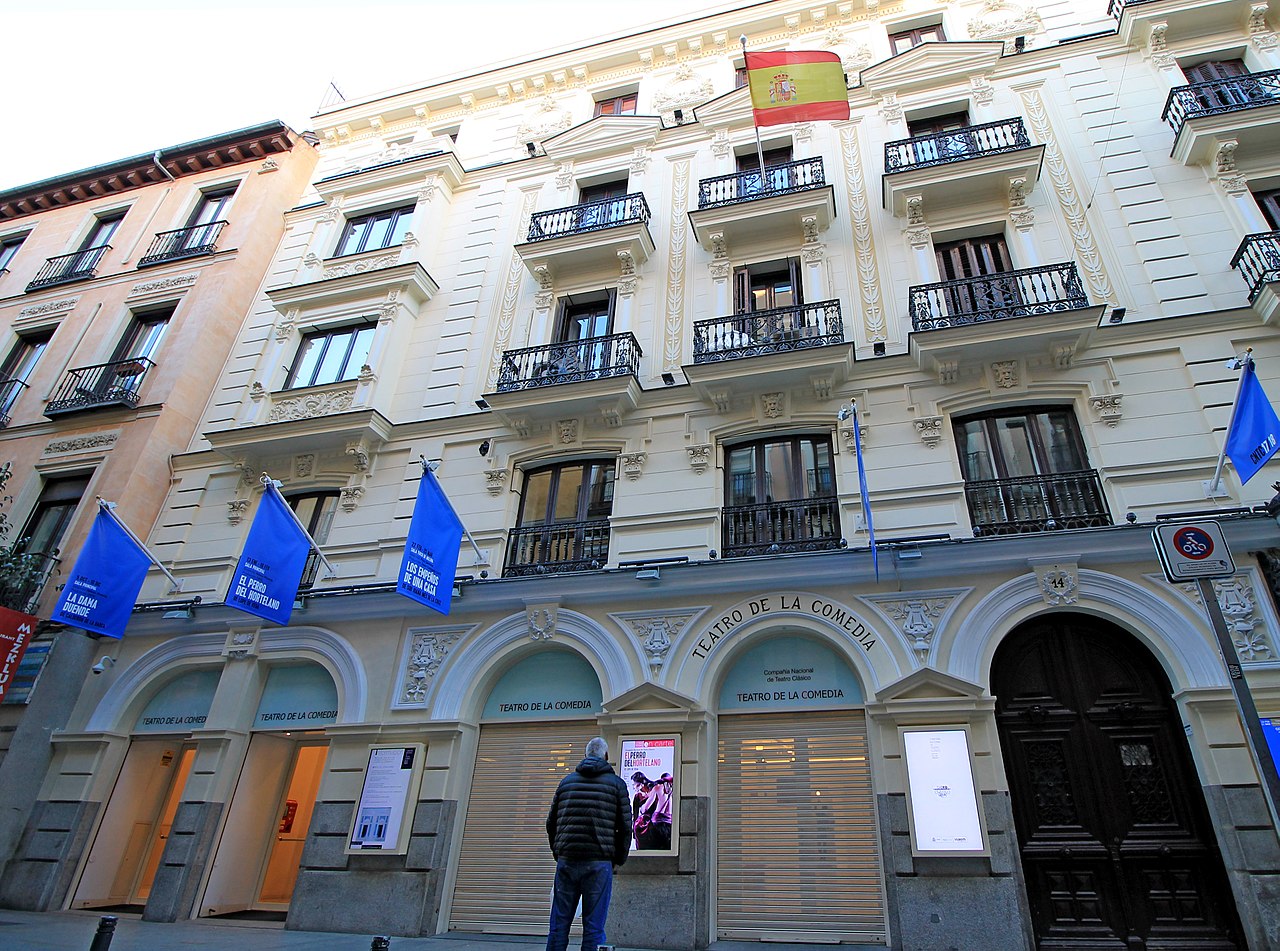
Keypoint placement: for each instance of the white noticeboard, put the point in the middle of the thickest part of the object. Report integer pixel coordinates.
(941, 796)
(381, 820)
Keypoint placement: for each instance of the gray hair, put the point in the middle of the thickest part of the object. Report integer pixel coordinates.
(598, 747)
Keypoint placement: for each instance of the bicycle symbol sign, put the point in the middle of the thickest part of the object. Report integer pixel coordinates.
(1194, 543)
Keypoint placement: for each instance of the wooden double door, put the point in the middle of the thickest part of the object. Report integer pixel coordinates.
(1115, 840)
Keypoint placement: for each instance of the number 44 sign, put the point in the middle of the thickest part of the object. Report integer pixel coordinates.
(1190, 551)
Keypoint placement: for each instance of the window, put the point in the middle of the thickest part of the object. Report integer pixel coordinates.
(1269, 202)
(203, 225)
(330, 356)
(385, 229)
(142, 337)
(564, 519)
(100, 234)
(780, 495)
(46, 528)
(767, 285)
(1027, 471)
(9, 249)
(584, 316)
(315, 511)
(959, 262)
(604, 205)
(624, 105)
(739, 77)
(602, 191)
(17, 367)
(903, 40)
(777, 178)
(949, 122)
(1225, 85)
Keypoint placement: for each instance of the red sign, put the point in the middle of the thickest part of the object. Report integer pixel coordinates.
(16, 629)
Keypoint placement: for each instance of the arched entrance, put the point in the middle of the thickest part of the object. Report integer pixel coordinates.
(1115, 841)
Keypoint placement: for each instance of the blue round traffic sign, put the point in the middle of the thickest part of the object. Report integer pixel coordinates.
(1192, 542)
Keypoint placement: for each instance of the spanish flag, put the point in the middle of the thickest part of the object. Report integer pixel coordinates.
(795, 86)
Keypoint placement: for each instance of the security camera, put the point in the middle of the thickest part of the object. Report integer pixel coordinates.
(104, 663)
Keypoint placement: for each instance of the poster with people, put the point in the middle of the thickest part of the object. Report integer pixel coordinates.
(648, 766)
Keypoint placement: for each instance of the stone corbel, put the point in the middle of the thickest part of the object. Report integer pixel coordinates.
(350, 496)
(720, 143)
(633, 464)
(982, 91)
(1157, 46)
(891, 109)
(1107, 408)
(850, 444)
(719, 249)
(568, 430)
(699, 457)
(285, 325)
(236, 510)
(929, 429)
(640, 160)
(1260, 35)
(359, 454)
(241, 644)
(495, 480)
(722, 400)
(915, 210)
(564, 175)
(948, 371)
(304, 465)
(1004, 374)
(771, 405)
(1017, 192)
(1063, 354)
(809, 225)
(1225, 157)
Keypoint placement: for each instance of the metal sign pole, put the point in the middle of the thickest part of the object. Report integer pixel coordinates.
(1263, 761)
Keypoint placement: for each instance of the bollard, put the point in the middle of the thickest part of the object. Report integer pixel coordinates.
(106, 931)
(379, 944)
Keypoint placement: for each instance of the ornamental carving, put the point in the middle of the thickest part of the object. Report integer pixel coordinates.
(311, 405)
(699, 457)
(564, 175)
(427, 651)
(685, 88)
(917, 619)
(359, 454)
(304, 466)
(236, 509)
(47, 308)
(495, 480)
(505, 308)
(633, 463)
(640, 157)
(1239, 606)
(1059, 584)
(771, 405)
(241, 645)
(542, 620)
(850, 443)
(349, 497)
(1107, 408)
(347, 268)
(1260, 35)
(1160, 54)
(720, 143)
(543, 121)
(163, 284)
(982, 91)
(929, 429)
(948, 371)
(677, 262)
(1001, 20)
(1005, 374)
(568, 429)
(285, 325)
(656, 632)
(1225, 156)
(81, 443)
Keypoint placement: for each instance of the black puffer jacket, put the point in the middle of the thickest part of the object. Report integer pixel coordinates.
(590, 817)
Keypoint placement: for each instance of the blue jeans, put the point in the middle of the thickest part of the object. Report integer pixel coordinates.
(593, 883)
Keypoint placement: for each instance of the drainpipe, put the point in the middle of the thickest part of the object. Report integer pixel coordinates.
(164, 171)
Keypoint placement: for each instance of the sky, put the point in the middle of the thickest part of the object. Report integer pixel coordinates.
(92, 81)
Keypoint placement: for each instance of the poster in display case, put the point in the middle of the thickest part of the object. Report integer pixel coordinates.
(942, 799)
(384, 813)
(649, 765)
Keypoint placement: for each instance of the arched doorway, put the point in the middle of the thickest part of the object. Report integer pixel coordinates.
(1114, 837)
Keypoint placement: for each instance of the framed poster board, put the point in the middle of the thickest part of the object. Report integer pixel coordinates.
(649, 765)
(942, 798)
(384, 813)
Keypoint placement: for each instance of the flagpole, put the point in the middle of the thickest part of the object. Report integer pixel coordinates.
(759, 148)
(109, 509)
(1237, 364)
(432, 467)
(271, 485)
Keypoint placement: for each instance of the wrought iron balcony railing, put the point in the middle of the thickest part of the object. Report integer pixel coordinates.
(749, 185)
(576, 361)
(182, 243)
(1258, 260)
(65, 268)
(1219, 96)
(107, 384)
(557, 546)
(780, 330)
(974, 300)
(956, 145)
(22, 588)
(1041, 503)
(776, 527)
(1117, 7)
(589, 216)
(10, 390)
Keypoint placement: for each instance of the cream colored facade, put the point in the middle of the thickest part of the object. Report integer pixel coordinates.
(526, 322)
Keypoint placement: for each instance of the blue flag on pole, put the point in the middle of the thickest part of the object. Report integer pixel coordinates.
(430, 562)
(1254, 434)
(266, 579)
(866, 498)
(104, 584)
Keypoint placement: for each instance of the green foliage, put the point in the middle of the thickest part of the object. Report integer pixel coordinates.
(22, 572)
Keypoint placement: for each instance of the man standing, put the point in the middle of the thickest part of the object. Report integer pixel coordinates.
(589, 829)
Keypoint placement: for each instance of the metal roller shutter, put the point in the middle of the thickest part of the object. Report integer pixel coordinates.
(505, 869)
(797, 844)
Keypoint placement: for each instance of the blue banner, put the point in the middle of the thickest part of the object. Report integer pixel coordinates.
(430, 562)
(266, 580)
(866, 497)
(104, 584)
(1254, 434)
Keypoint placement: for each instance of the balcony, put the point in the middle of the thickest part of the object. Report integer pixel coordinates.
(591, 235)
(1258, 261)
(1180, 19)
(778, 527)
(10, 390)
(107, 384)
(1244, 110)
(65, 268)
(973, 300)
(22, 586)
(961, 166)
(557, 546)
(1042, 503)
(743, 207)
(182, 243)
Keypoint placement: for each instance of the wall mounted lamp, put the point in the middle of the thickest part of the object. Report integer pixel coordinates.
(649, 574)
(103, 664)
(482, 404)
(532, 147)
(877, 348)
(485, 447)
(669, 379)
(1117, 315)
(182, 611)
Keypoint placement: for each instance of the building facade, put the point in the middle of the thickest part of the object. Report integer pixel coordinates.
(628, 332)
(122, 290)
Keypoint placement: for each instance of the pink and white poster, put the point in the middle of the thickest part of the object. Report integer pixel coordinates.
(648, 767)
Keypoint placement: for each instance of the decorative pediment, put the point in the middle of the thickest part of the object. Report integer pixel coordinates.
(929, 684)
(396, 168)
(731, 109)
(650, 698)
(544, 120)
(931, 66)
(603, 135)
